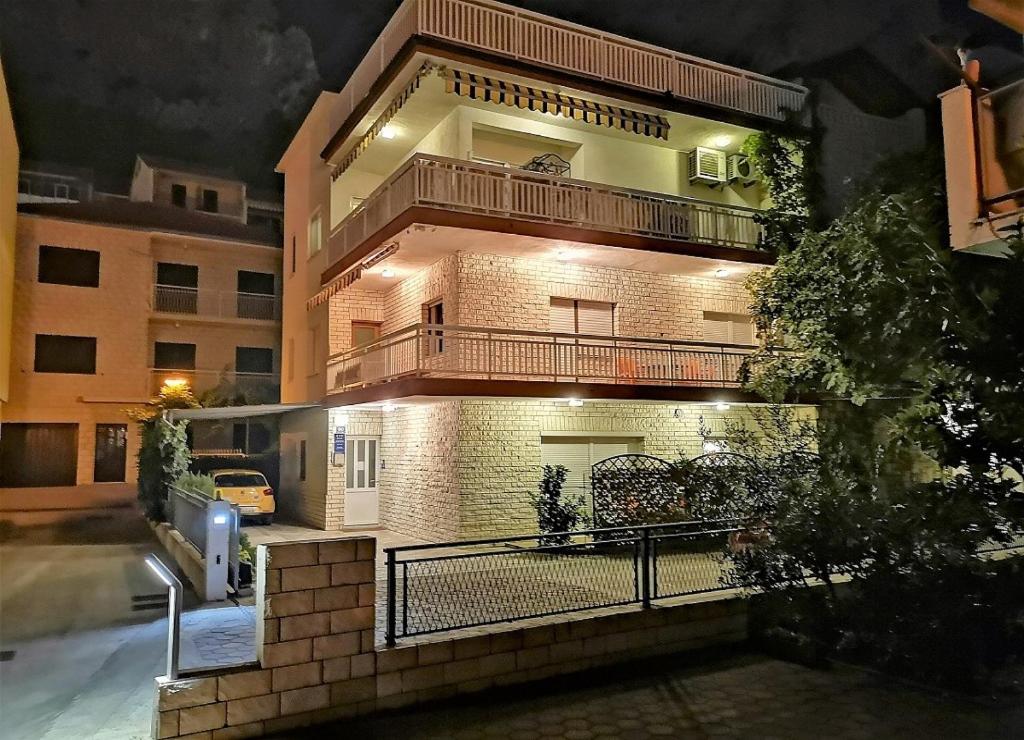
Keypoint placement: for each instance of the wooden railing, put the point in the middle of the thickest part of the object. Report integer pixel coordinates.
(470, 187)
(447, 351)
(539, 39)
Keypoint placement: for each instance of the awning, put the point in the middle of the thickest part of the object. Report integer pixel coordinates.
(382, 120)
(348, 277)
(479, 87)
(237, 412)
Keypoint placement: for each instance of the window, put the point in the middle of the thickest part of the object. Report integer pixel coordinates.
(177, 275)
(578, 455)
(315, 234)
(110, 453)
(178, 195)
(250, 438)
(433, 313)
(62, 354)
(365, 332)
(302, 459)
(294, 247)
(255, 298)
(67, 266)
(209, 202)
(569, 316)
(254, 360)
(728, 328)
(240, 480)
(291, 358)
(174, 356)
(361, 463)
(259, 283)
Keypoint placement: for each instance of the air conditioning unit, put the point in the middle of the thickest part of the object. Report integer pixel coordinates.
(740, 169)
(707, 166)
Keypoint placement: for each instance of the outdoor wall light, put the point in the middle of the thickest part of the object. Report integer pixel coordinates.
(577, 402)
(722, 406)
(387, 272)
(175, 383)
(388, 132)
(220, 519)
(722, 141)
(721, 272)
(388, 407)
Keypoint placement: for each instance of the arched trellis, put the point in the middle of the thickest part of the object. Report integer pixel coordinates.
(634, 488)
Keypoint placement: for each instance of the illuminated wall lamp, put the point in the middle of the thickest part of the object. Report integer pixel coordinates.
(388, 132)
(575, 402)
(387, 272)
(722, 406)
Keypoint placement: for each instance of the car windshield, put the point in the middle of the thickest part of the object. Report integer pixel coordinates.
(240, 480)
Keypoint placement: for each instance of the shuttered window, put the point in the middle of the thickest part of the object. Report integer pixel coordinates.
(570, 316)
(728, 328)
(578, 455)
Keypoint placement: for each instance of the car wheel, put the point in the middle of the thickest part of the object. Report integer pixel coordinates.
(268, 519)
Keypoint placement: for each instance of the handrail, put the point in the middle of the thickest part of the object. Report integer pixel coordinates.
(604, 339)
(418, 158)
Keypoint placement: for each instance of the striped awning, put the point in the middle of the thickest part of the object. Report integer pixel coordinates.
(479, 87)
(382, 120)
(347, 278)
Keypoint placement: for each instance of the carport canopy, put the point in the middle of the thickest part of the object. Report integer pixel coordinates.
(236, 412)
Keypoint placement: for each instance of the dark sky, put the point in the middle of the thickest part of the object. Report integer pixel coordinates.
(227, 81)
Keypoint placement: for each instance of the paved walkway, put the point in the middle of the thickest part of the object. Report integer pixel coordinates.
(729, 695)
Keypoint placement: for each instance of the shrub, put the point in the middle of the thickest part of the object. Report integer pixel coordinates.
(556, 514)
(163, 458)
(196, 483)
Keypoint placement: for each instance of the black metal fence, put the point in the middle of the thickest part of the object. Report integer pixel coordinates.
(448, 586)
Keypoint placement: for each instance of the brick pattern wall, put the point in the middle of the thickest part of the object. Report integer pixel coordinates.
(403, 304)
(515, 293)
(318, 662)
(499, 450)
(419, 494)
(348, 306)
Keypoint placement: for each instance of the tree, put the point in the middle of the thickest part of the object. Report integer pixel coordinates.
(915, 354)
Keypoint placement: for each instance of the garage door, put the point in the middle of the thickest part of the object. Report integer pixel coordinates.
(38, 454)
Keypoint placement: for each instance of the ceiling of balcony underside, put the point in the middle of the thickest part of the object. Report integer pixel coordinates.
(428, 105)
(420, 246)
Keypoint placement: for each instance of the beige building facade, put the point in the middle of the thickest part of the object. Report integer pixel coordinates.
(9, 157)
(492, 265)
(113, 299)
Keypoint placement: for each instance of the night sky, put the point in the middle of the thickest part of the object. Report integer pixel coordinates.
(227, 81)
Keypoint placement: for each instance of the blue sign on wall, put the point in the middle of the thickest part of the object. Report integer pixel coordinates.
(339, 440)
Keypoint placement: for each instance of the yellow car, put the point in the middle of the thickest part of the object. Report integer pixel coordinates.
(247, 488)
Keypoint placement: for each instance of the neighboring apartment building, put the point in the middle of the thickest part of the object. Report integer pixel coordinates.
(9, 156)
(115, 298)
(983, 141)
(511, 241)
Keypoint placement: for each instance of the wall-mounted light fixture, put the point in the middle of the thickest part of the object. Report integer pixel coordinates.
(722, 272)
(575, 402)
(388, 132)
(721, 141)
(722, 406)
(387, 272)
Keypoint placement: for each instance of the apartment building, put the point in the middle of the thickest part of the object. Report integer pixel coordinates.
(512, 241)
(115, 298)
(9, 155)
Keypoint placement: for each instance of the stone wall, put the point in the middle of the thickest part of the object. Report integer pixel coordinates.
(318, 661)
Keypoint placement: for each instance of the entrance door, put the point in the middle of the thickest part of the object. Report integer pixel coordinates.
(362, 468)
(111, 449)
(38, 454)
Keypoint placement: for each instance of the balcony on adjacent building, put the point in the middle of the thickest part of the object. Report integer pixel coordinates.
(480, 191)
(213, 304)
(463, 353)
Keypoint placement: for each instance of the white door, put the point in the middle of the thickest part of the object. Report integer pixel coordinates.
(362, 471)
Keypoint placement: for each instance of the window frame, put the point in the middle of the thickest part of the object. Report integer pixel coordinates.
(315, 217)
(51, 251)
(176, 189)
(64, 353)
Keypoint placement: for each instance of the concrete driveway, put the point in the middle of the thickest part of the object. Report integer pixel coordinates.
(83, 659)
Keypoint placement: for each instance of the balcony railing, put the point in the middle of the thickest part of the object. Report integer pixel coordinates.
(204, 380)
(468, 187)
(447, 351)
(1001, 147)
(539, 39)
(216, 304)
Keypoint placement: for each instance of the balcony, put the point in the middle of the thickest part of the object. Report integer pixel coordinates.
(485, 354)
(263, 385)
(173, 299)
(483, 190)
(535, 39)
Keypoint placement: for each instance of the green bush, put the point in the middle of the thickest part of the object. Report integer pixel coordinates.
(163, 458)
(196, 483)
(555, 513)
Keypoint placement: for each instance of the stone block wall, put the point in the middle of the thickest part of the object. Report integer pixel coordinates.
(318, 662)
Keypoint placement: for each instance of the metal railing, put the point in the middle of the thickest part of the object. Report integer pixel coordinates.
(449, 586)
(202, 380)
(449, 351)
(1000, 122)
(470, 187)
(539, 39)
(219, 304)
